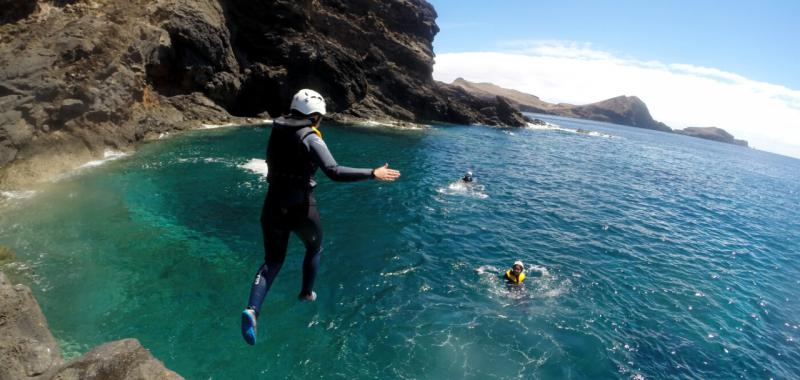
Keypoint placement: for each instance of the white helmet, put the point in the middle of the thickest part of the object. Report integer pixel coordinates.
(308, 101)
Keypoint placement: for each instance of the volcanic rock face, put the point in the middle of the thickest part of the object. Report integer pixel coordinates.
(77, 77)
(28, 350)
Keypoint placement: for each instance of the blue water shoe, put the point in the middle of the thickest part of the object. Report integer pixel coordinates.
(249, 326)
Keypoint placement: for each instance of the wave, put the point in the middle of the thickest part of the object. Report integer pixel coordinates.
(225, 125)
(108, 155)
(12, 197)
(390, 124)
(17, 194)
(459, 187)
(538, 283)
(257, 166)
(555, 127)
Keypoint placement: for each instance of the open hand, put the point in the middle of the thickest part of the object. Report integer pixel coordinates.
(383, 173)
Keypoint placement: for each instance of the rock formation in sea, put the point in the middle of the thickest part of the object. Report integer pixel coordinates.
(623, 110)
(711, 133)
(80, 76)
(29, 351)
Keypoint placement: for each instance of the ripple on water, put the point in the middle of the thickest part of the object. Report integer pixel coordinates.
(648, 257)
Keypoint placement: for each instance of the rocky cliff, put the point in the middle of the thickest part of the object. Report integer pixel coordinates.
(29, 351)
(711, 133)
(80, 76)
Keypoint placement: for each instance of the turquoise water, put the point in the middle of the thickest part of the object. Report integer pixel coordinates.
(650, 256)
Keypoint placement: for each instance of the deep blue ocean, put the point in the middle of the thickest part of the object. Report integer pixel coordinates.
(649, 255)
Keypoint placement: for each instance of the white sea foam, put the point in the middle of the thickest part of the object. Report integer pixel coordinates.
(556, 127)
(14, 195)
(543, 272)
(486, 269)
(215, 126)
(211, 160)
(399, 272)
(108, 155)
(391, 124)
(462, 188)
(257, 166)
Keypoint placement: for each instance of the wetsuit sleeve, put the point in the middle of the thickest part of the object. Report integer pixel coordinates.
(323, 158)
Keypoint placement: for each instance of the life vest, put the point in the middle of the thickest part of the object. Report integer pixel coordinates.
(288, 158)
(516, 280)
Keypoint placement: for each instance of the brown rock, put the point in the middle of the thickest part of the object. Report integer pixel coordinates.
(27, 349)
(120, 360)
(13, 10)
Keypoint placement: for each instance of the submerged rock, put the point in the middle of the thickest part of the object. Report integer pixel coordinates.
(6, 255)
(29, 351)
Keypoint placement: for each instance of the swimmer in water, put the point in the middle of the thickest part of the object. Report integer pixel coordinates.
(516, 275)
(468, 178)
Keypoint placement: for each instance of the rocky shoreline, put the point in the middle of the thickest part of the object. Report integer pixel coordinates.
(29, 351)
(82, 76)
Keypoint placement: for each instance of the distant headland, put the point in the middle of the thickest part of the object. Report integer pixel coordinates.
(623, 110)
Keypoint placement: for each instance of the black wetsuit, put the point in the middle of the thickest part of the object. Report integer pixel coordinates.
(294, 153)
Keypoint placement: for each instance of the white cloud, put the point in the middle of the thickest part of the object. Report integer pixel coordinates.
(680, 95)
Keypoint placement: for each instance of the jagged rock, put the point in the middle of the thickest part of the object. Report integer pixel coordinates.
(507, 114)
(13, 10)
(71, 108)
(29, 351)
(120, 360)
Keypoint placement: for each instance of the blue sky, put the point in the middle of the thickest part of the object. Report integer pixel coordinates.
(694, 63)
(757, 39)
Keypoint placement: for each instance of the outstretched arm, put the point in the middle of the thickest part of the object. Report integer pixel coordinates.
(323, 158)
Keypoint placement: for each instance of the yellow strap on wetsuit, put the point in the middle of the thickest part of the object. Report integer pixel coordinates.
(317, 131)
